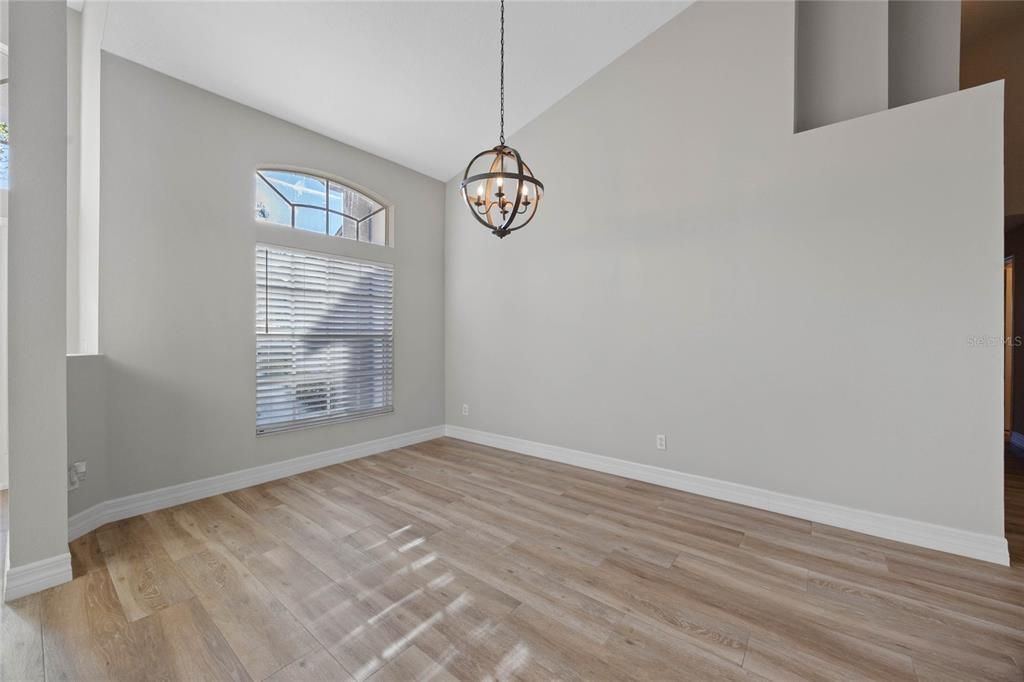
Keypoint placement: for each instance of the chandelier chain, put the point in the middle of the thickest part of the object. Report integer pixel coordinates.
(501, 198)
(501, 129)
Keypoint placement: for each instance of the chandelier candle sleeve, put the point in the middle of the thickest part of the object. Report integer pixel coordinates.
(496, 184)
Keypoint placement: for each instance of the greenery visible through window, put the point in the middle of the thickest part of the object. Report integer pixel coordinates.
(316, 204)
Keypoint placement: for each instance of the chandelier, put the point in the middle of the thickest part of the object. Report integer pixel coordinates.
(498, 186)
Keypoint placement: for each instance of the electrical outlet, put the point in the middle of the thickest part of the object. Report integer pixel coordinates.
(659, 441)
(80, 469)
(465, 410)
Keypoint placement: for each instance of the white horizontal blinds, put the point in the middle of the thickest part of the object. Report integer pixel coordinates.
(324, 338)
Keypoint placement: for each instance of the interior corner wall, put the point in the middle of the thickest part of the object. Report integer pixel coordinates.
(842, 65)
(36, 282)
(924, 49)
(809, 313)
(87, 429)
(177, 283)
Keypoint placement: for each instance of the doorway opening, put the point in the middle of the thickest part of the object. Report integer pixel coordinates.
(991, 33)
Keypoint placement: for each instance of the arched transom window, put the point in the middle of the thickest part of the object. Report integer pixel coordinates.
(318, 204)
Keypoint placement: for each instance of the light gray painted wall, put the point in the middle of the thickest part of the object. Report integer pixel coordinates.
(36, 277)
(87, 428)
(924, 49)
(177, 283)
(842, 60)
(792, 311)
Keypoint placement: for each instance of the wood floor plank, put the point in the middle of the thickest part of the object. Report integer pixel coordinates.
(318, 666)
(630, 593)
(354, 479)
(221, 521)
(86, 554)
(776, 662)
(320, 604)
(180, 642)
(551, 536)
(253, 500)
(83, 626)
(491, 651)
(21, 639)
(412, 665)
(145, 578)
(948, 632)
(176, 532)
(647, 651)
(786, 618)
(450, 560)
(384, 621)
(574, 609)
(336, 558)
(336, 519)
(262, 633)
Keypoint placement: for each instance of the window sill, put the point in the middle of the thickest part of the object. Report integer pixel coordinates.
(316, 423)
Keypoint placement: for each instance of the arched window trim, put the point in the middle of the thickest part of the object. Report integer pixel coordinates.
(328, 180)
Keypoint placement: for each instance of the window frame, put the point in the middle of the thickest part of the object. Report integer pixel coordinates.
(385, 206)
(302, 424)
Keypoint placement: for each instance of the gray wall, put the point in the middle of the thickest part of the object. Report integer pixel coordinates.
(794, 312)
(842, 60)
(176, 307)
(36, 281)
(87, 428)
(924, 49)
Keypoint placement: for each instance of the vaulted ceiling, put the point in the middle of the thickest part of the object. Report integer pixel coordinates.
(414, 82)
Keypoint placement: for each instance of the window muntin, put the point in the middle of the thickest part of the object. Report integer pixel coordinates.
(324, 339)
(316, 204)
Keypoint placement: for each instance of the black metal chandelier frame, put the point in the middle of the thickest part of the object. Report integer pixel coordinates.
(509, 208)
(492, 183)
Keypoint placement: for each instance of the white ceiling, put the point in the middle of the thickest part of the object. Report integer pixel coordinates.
(414, 82)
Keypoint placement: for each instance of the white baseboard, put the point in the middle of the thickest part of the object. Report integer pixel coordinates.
(991, 548)
(22, 581)
(141, 503)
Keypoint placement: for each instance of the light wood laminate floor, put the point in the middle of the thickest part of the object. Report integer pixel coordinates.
(449, 560)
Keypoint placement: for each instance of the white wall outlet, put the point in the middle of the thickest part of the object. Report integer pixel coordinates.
(659, 441)
(72, 478)
(80, 469)
(465, 410)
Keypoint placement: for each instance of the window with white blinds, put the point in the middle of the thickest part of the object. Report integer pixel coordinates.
(324, 338)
